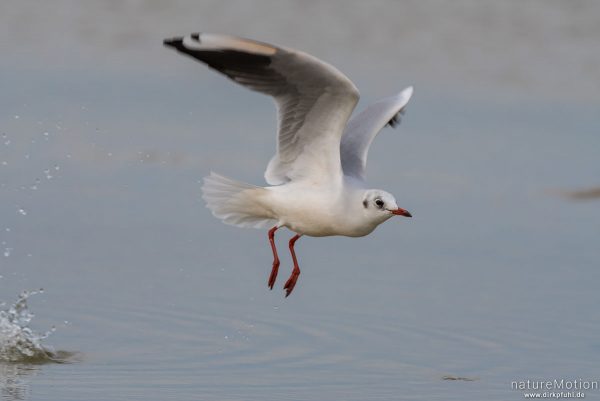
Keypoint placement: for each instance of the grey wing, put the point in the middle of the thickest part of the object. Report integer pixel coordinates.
(314, 100)
(362, 129)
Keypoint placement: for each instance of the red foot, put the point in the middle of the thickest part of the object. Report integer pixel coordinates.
(273, 275)
(275, 268)
(291, 283)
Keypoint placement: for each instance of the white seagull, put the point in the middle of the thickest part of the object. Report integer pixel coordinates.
(317, 176)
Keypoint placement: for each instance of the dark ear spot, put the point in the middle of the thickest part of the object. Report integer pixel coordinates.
(365, 204)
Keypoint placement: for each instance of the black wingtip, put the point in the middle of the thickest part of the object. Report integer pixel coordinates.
(173, 42)
(395, 121)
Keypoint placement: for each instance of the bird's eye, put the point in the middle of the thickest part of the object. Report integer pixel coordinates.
(379, 203)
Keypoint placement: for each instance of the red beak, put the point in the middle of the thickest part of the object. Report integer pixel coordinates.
(401, 212)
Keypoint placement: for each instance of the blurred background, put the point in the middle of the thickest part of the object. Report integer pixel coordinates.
(105, 138)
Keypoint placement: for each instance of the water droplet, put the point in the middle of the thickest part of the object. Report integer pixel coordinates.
(4, 163)
(22, 211)
(7, 229)
(17, 117)
(7, 252)
(57, 167)
(7, 142)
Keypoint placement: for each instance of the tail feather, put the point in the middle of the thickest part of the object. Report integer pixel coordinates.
(236, 203)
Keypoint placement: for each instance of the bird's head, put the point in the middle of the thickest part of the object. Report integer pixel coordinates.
(379, 206)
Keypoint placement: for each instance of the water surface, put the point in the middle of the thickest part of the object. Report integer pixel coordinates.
(106, 136)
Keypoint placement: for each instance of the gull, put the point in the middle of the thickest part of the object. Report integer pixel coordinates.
(317, 176)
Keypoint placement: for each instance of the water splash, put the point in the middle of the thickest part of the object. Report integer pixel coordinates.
(18, 342)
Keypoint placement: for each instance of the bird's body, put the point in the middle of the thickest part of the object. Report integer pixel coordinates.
(319, 210)
(317, 176)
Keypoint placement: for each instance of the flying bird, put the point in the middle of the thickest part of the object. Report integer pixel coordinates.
(317, 176)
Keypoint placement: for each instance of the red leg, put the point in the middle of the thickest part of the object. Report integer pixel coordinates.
(289, 285)
(275, 268)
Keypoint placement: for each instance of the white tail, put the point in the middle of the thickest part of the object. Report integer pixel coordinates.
(236, 203)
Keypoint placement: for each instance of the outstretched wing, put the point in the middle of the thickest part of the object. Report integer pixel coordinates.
(362, 129)
(313, 98)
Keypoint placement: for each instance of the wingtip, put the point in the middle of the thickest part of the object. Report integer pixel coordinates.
(173, 42)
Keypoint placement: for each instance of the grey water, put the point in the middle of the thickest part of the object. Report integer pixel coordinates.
(105, 138)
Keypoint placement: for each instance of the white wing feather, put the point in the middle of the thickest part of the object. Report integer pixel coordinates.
(362, 129)
(314, 100)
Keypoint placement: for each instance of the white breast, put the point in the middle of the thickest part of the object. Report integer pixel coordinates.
(319, 211)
